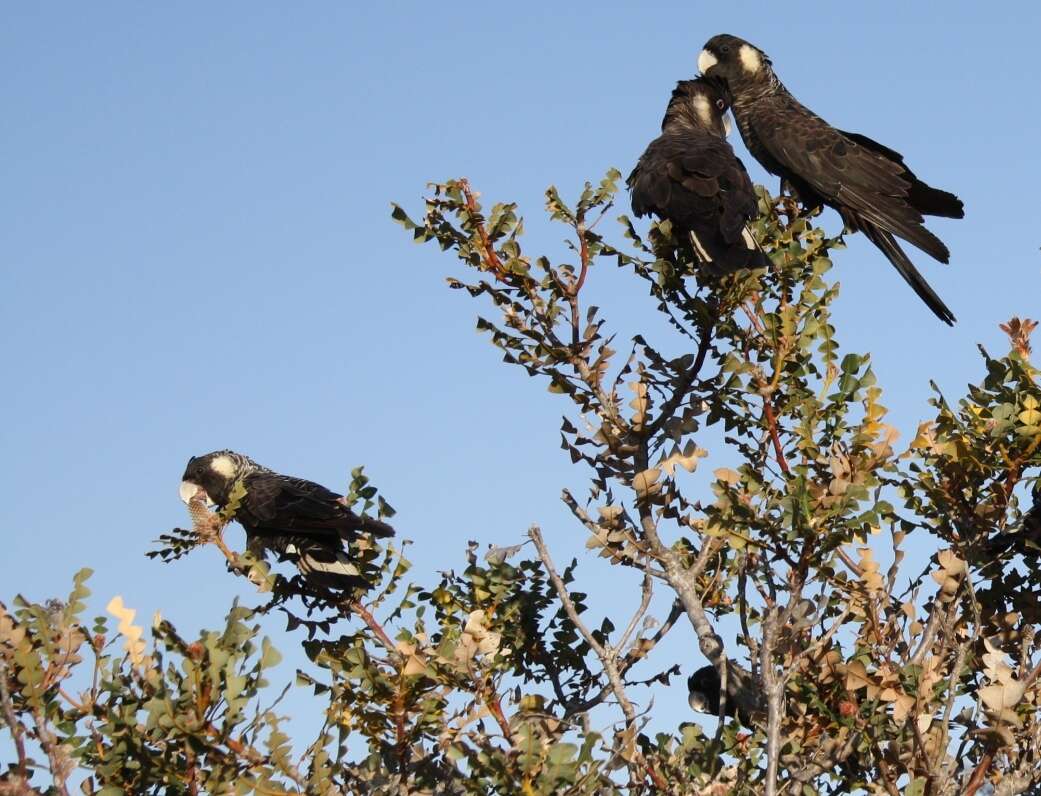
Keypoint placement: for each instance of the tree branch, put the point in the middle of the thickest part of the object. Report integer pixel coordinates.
(15, 726)
(490, 256)
(979, 775)
(608, 658)
(771, 424)
(773, 686)
(682, 389)
(375, 627)
(59, 767)
(634, 656)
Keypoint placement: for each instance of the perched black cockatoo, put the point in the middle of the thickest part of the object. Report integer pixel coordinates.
(867, 183)
(300, 520)
(744, 700)
(690, 176)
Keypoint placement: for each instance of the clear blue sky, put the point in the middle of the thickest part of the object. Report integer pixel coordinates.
(196, 250)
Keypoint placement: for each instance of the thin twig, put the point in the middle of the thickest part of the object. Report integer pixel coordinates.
(742, 597)
(682, 389)
(634, 656)
(979, 775)
(931, 628)
(494, 705)
(608, 659)
(854, 567)
(375, 627)
(820, 643)
(645, 600)
(490, 256)
(60, 769)
(583, 254)
(608, 656)
(952, 696)
(771, 424)
(571, 291)
(16, 728)
(240, 748)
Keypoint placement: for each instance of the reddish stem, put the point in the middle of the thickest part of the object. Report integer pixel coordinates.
(979, 775)
(374, 626)
(583, 253)
(495, 706)
(656, 778)
(193, 784)
(399, 728)
(494, 263)
(771, 422)
(238, 747)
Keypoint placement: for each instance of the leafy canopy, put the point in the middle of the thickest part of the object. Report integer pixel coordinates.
(846, 671)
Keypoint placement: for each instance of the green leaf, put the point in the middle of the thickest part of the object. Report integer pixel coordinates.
(916, 787)
(269, 655)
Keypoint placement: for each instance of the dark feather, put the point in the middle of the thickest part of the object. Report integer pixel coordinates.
(299, 520)
(924, 198)
(891, 249)
(866, 182)
(744, 699)
(690, 176)
(281, 504)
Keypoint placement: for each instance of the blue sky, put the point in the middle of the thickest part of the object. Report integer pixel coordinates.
(196, 250)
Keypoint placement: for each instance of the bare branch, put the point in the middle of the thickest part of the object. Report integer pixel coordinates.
(773, 686)
(58, 759)
(645, 600)
(608, 658)
(638, 652)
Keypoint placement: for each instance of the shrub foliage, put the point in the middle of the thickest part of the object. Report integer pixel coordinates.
(848, 670)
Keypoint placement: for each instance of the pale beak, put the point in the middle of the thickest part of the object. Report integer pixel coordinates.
(189, 490)
(706, 61)
(727, 126)
(697, 702)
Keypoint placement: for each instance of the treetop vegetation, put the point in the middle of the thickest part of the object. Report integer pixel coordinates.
(839, 668)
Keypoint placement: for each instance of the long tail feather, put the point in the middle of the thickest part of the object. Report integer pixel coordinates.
(891, 249)
(866, 211)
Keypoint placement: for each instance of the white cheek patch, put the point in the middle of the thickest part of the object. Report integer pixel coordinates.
(706, 61)
(189, 490)
(223, 466)
(750, 59)
(703, 108)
